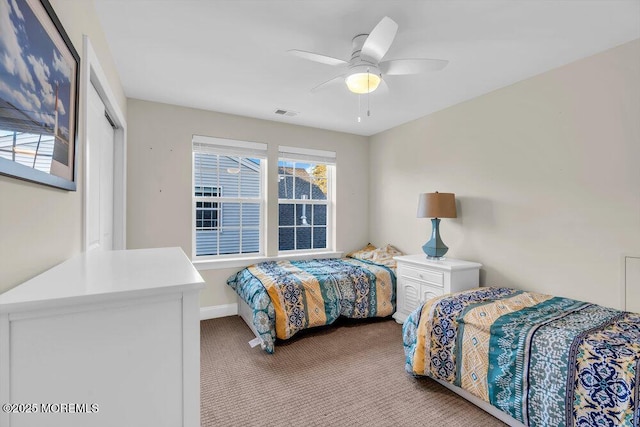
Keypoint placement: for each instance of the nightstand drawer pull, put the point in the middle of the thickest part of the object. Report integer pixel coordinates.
(432, 277)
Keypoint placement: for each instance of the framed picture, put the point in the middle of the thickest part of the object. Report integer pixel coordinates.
(39, 70)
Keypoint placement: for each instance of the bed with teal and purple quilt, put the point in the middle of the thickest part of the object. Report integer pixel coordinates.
(279, 299)
(542, 360)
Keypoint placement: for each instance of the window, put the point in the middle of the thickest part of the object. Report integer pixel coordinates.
(304, 198)
(228, 199)
(207, 213)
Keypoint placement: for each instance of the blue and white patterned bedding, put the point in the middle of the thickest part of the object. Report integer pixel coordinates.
(288, 296)
(545, 361)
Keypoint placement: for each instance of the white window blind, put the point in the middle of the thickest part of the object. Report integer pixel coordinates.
(307, 154)
(228, 198)
(229, 147)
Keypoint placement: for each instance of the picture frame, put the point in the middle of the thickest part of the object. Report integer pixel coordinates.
(39, 91)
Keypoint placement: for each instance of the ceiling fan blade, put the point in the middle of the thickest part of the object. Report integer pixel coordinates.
(316, 57)
(328, 83)
(379, 40)
(383, 88)
(411, 66)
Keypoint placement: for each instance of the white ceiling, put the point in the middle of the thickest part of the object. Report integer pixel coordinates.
(230, 55)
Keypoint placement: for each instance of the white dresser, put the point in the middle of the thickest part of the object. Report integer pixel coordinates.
(419, 279)
(107, 338)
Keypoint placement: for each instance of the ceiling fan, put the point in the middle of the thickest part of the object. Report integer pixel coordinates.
(364, 71)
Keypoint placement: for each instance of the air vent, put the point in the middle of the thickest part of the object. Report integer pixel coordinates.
(286, 113)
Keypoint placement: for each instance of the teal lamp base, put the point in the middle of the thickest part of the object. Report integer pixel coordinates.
(435, 248)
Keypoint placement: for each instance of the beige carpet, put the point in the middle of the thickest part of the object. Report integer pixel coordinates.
(350, 374)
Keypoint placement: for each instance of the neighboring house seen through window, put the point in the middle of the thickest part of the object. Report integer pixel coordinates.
(304, 198)
(228, 197)
(207, 213)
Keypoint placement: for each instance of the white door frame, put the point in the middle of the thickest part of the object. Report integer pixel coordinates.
(92, 74)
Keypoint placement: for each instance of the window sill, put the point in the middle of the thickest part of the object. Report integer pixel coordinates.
(216, 264)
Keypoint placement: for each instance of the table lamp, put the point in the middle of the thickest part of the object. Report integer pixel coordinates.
(435, 206)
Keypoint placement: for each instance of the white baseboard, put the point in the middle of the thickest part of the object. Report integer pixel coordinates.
(215, 311)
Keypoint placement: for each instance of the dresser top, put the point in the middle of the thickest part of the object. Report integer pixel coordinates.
(105, 275)
(442, 264)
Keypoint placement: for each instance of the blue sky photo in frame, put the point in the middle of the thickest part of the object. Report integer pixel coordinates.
(38, 94)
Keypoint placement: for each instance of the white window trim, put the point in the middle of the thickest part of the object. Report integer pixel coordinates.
(319, 157)
(251, 150)
(267, 226)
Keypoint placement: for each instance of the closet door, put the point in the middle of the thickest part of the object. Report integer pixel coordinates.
(100, 155)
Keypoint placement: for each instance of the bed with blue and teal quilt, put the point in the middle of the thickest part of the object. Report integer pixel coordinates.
(543, 360)
(286, 297)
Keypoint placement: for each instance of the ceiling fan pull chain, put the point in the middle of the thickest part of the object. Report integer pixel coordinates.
(359, 118)
(368, 96)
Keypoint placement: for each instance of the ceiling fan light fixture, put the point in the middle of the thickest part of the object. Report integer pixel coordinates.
(364, 82)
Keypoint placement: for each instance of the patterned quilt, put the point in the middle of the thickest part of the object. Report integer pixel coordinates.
(289, 296)
(544, 360)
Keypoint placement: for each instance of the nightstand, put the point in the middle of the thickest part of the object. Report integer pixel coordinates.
(420, 279)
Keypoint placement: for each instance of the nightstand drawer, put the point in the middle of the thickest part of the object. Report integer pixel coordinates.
(422, 275)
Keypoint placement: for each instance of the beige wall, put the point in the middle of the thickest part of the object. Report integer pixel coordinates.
(42, 226)
(159, 206)
(546, 173)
